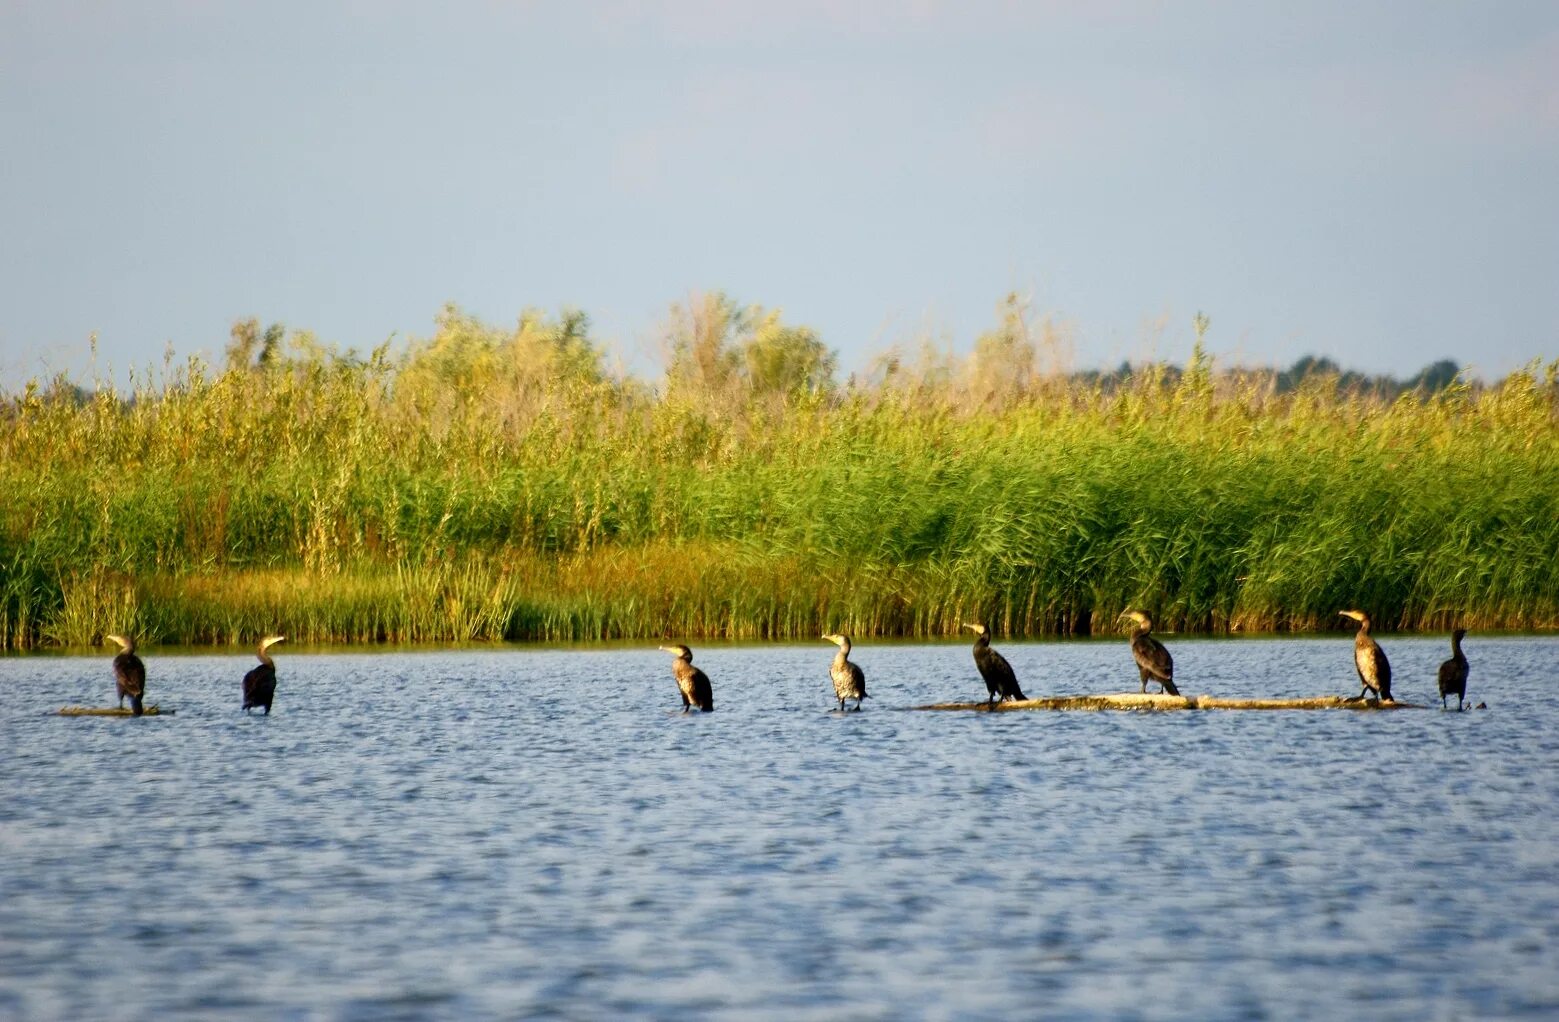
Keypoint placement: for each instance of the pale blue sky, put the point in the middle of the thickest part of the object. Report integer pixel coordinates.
(1374, 182)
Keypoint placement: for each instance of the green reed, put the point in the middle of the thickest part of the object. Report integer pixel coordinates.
(500, 485)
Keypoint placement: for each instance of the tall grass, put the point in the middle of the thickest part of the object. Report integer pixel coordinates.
(492, 484)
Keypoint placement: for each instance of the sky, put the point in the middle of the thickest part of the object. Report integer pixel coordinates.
(1377, 183)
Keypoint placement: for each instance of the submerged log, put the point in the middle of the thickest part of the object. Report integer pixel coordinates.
(111, 711)
(1156, 701)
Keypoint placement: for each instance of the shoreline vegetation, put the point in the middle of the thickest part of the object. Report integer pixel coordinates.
(496, 483)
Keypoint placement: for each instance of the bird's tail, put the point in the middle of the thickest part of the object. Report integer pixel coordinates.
(135, 705)
(1169, 687)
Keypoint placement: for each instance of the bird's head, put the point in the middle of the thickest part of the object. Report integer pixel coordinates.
(1459, 634)
(123, 643)
(679, 651)
(1357, 615)
(978, 629)
(271, 640)
(838, 640)
(1137, 616)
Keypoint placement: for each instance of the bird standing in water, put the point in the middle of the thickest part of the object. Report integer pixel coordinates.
(849, 679)
(129, 674)
(1153, 660)
(1374, 669)
(1453, 673)
(691, 682)
(1000, 682)
(260, 683)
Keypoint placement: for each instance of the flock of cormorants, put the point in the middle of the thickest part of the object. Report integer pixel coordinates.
(1001, 683)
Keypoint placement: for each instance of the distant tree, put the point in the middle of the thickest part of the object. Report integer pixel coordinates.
(1305, 367)
(270, 346)
(245, 340)
(1003, 363)
(1435, 377)
(717, 345)
(780, 359)
(471, 357)
(702, 335)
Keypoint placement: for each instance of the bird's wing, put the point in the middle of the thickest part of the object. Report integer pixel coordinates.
(703, 693)
(131, 673)
(1150, 653)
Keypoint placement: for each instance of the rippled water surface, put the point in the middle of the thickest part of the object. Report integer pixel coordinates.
(519, 833)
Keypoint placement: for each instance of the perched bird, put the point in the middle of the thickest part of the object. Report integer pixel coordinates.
(1370, 659)
(849, 679)
(999, 679)
(692, 682)
(260, 683)
(129, 674)
(1153, 660)
(1453, 673)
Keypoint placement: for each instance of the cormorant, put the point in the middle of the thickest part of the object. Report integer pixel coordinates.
(849, 679)
(1453, 673)
(999, 679)
(692, 682)
(129, 674)
(1153, 660)
(260, 683)
(1370, 659)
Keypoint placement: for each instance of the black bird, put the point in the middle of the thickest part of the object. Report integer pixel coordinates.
(692, 682)
(1453, 673)
(260, 683)
(849, 679)
(129, 674)
(1370, 659)
(999, 679)
(1153, 660)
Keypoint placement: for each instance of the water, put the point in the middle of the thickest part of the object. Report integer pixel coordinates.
(515, 833)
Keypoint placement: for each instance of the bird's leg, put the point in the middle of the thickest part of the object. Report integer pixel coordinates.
(841, 705)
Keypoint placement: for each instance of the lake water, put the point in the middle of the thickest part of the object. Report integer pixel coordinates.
(517, 833)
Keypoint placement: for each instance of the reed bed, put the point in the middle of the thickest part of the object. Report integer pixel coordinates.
(494, 484)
